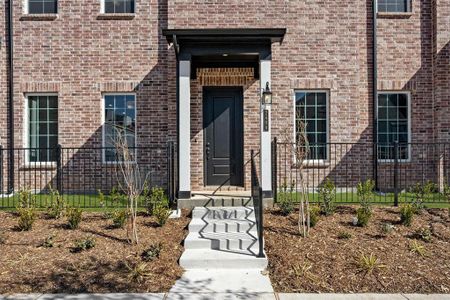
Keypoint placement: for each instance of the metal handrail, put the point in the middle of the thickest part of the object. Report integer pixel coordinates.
(258, 205)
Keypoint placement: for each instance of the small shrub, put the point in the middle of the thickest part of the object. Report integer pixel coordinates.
(365, 193)
(406, 214)
(138, 272)
(446, 195)
(155, 197)
(26, 199)
(119, 218)
(83, 244)
(369, 263)
(344, 235)
(2, 238)
(314, 215)
(74, 216)
(424, 234)
(49, 241)
(326, 195)
(27, 216)
(152, 252)
(363, 215)
(386, 228)
(285, 199)
(101, 198)
(421, 192)
(57, 206)
(162, 214)
(417, 248)
(116, 196)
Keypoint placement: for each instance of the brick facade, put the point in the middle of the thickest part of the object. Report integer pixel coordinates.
(328, 45)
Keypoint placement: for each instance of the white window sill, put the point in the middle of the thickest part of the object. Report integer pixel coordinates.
(124, 16)
(39, 17)
(313, 164)
(391, 161)
(50, 165)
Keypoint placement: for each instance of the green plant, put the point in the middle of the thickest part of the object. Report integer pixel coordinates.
(162, 214)
(415, 247)
(155, 197)
(2, 238)
(344, 235)
(369, 263)
(327, 192)
(314, 215)
(406, 214)
(49, 241)
(27, 216)
(57, 204)
(424, 234)
(83, 244)
(386, 228)
(152, 252)
(101, 198)
(26, 199)
(446, 195)
(285, 199)
(74, 216)
(363, 215)
(116, 196)
(120, 218)
(365, 193)
(138, 272)
(421, 192)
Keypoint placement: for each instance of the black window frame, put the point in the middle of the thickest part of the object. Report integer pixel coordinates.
(318, 149)
(388, 125)
(109, 7)
(42, 7)
(394, 6)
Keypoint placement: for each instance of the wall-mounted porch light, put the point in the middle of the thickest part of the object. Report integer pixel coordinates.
(266, 96)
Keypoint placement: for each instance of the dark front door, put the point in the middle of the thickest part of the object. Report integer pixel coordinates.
(223, 135)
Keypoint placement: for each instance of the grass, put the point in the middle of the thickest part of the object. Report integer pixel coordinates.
(89, 202)
(435, 200)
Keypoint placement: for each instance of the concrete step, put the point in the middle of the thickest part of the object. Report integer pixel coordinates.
(221, 241)
(193, 259)
(224, 213)
(214, 225)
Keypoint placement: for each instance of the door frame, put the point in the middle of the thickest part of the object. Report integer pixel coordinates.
(205, 91)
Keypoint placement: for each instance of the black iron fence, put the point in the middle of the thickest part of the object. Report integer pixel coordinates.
(401, 173)
(85, 177)
(257, 199)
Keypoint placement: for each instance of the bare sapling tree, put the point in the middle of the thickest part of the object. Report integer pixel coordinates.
(299, 151)
(133, 178)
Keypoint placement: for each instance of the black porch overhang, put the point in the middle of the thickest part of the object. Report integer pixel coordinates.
(210, 48)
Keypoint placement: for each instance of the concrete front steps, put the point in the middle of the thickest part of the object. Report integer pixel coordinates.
(222, 238)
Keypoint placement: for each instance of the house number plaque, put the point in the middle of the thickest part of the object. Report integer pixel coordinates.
(266, 120)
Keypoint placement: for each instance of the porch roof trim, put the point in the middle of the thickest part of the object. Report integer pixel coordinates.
(224, 35)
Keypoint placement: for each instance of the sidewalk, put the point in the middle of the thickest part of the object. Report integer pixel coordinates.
(228, 296)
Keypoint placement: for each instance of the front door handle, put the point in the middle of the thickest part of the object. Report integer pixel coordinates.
(207, 149)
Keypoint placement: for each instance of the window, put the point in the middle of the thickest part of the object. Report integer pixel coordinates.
(42, 127)
(394, 6)
(120, 119)
(118, 6)
(311, 109)
(393, 125)
(42, 6)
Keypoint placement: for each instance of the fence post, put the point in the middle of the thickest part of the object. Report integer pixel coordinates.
(58, 168)
(396, 173)
(1, 169)
(170, 171)
(275, 170)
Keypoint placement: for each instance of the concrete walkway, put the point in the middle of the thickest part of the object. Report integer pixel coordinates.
(229, 296)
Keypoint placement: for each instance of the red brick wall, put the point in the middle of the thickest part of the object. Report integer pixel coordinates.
(327, 46)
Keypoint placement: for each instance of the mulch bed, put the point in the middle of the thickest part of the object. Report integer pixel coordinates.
(27, 267)
(323, 262)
